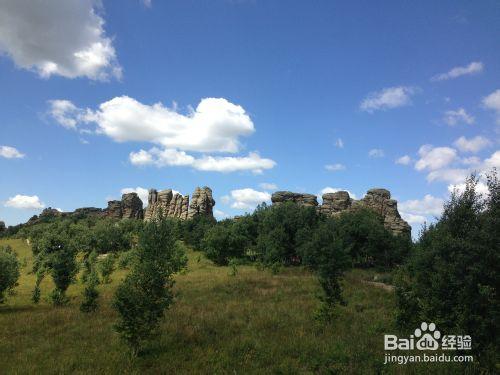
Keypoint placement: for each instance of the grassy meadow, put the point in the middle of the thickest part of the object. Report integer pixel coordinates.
(251, 323)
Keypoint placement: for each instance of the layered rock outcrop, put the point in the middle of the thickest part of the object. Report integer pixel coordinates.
(130, 207)
(378, 200)
(308, 200)
(202, 202)
(166, 203)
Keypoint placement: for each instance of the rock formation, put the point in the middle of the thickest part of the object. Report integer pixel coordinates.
(202, 202)
(308, 200)
(130, 207)
(166, 203)
(378, 200)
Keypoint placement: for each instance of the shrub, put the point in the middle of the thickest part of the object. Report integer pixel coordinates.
(106, 267)
(146, 292)
(195, 229)
(9, 271)
(90, 293)
(223, 242)
(452, 278)
(125, 259)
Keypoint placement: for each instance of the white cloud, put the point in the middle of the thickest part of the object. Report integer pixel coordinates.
(452, 117)
(403, 160)
(473, 68)
(339, 143)
(493, 161)
(481, 188)
(329, 189)
(471, 160)
(147, 3)
(244, 199)
(225, 164)
(25, 202)
(473, 145)
(433, 158)
(376, 153)
(9, 152)
(253, 162)
(428, 206)
(220, 214)
(413, 219)
(214, 126)
(334, 167)
(141, 192)
(391, 97)
(492, 102)
(58, 37)
(268, 186)
(451, 175)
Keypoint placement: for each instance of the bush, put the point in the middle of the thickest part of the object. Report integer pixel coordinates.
(146, 292)
(195, 229)
(125, 259)
(90, 293)
(56, 255)
(9, 271)
(324, 252)
(106, 267)
(223, 242)
(452, 278)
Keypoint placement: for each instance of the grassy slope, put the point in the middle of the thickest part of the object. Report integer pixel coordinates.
(254, 322)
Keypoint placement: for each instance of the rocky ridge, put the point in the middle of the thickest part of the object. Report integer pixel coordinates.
(378, 200)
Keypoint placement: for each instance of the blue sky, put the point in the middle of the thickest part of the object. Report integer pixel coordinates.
(246, 97)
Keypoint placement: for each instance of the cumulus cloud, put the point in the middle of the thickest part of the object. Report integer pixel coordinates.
(244, 199)
(454, 117)
(452, 175)
(433, 158)
(403, 160)
(481, 188)
(427, 206)
(214, 126)
(376, 153)
(268, 186)
(473, 145)
(388, 98)
(329, 189)
(492, 102)
(493, 161)
(474, 67)
(221, 215)
(58, 37)
(9, 152)
(335, 167)
(27, 202)
(225, 164)
(141, 192)
(413, 219)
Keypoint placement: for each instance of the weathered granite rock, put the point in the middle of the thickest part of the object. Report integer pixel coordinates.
(308, 200)
(2, 227)
(378, 200)
(130, 207)
(335, 202)
(202, 202)
(84, 212)
(167, 204)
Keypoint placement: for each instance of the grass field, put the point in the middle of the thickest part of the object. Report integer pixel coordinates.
(254, 322)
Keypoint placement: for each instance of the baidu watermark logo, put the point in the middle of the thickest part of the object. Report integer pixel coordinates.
(427, 338)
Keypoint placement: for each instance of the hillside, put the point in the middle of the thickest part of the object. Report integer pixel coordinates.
(254, 322)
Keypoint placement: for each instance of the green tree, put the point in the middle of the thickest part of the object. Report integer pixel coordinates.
(223, 242)
(106, 267)
(9, 271)
(90, 293)
(452, 278)
(146, 292)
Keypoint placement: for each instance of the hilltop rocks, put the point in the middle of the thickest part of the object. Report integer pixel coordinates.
(378, 200)
(308, 200)
(130, 207)
(202, 202)
(166, 203)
